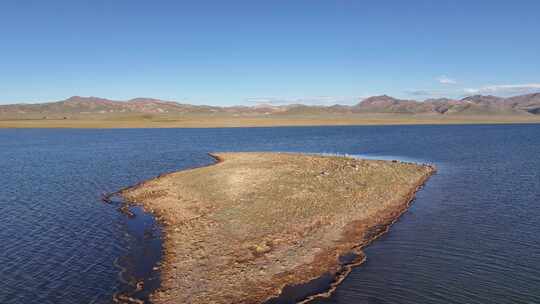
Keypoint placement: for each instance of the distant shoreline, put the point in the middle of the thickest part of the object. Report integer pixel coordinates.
(193, 253)
(232, 121)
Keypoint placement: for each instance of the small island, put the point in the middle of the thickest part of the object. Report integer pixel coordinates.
(255, 224)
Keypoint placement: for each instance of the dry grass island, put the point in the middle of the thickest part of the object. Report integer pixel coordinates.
(245, 228)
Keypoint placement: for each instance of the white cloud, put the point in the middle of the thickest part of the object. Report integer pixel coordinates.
(505, 89)
(263, 100)
(428, 93)
(458, 92)
(446, 80)
(307, 100)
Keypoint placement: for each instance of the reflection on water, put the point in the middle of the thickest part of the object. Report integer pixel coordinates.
(472, 235)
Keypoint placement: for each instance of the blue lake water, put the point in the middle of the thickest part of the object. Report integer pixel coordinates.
(472, 235)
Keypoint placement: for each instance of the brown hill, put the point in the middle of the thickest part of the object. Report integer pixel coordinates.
(387, 104)
(473, 105)
(478, 105)
(95, 105)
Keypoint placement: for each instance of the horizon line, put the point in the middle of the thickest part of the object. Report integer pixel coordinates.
(269, 101)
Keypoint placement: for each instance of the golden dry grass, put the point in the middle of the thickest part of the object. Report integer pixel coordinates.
(240, 230)
(231, 120)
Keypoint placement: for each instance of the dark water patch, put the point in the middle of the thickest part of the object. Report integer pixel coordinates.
(139, 268)
(318, 287)
(292, 294)
(349, 258)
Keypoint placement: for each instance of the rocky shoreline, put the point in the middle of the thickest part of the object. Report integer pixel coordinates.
(275, 265)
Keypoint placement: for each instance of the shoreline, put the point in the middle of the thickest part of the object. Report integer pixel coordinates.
(126, 208)
(138, 269)
(346, 268)
(377, 226)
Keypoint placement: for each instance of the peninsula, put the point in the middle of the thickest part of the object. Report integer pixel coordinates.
(254, 224)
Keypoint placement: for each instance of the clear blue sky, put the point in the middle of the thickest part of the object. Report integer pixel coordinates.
(243, 52)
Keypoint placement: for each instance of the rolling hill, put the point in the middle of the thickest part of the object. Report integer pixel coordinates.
(474, 105)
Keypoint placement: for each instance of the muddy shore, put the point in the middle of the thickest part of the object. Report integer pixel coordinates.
(259, 227)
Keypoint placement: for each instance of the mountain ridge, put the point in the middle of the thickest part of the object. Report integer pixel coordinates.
(528, 104)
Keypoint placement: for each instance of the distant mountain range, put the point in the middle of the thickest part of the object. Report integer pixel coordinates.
(478, 104)
(474, 105)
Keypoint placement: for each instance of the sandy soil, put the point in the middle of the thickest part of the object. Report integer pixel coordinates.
(241, 230)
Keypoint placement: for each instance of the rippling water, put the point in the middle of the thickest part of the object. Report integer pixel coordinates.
(472, 236)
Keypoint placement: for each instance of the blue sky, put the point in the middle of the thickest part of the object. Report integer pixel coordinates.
(247, 52)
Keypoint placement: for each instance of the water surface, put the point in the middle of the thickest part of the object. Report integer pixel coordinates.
(472, 235)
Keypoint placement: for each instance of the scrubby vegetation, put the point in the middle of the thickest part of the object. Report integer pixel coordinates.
(241, 230)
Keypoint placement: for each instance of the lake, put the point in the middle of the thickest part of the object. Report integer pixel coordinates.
(471, 236)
